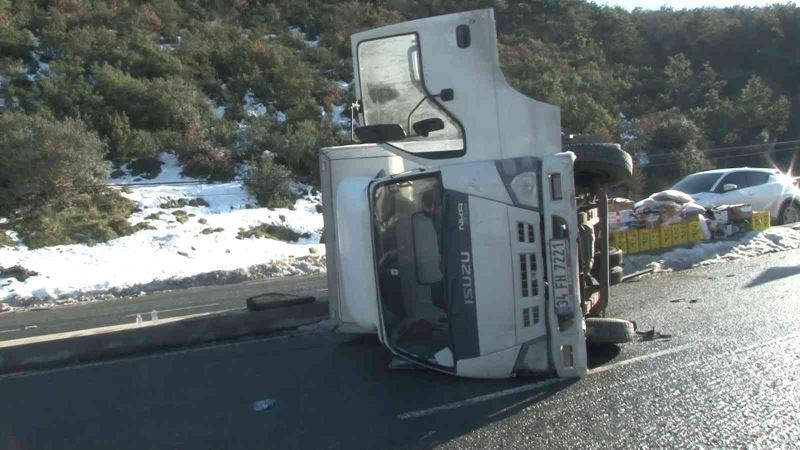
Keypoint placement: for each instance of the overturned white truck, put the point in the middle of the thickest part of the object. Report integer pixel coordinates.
(453, 231)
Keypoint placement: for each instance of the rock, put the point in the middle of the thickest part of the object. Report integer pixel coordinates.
(18, 272)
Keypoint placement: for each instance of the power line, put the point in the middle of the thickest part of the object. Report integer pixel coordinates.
(717, 149)
(723, 157)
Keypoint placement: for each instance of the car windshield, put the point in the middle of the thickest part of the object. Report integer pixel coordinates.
(393, 92)
(699, 182)
(408, 227)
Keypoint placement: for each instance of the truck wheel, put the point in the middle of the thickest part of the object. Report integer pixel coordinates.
(609, 331)
(615, 275)
(601, 164)
(614, 257)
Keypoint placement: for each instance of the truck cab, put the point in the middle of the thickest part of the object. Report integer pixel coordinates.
(452, 230)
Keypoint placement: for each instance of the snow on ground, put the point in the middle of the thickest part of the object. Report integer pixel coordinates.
(204, 250)
(252, 106)
(747, 246)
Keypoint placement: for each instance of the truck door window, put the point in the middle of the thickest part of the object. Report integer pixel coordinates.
(408, 222)
(392, 86)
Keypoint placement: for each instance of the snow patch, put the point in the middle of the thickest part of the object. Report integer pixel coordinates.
(204, 249)
(252, 107)
(219, 112)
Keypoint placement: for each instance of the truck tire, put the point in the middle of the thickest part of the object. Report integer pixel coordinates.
(614, 257)
(601, 164)
(615, 275)
(609, 331)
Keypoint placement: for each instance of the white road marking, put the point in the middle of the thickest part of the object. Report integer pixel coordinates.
(10, 331)
(636, 359)
(31, 327)
(478, 399)
(183, 308)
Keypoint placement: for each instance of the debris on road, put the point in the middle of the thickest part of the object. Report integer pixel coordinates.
(265, 404)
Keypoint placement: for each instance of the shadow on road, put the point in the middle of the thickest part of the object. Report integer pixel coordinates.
(326, 390)
(599, 354)
(773, 274)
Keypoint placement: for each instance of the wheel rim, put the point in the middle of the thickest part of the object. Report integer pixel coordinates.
(791, 214)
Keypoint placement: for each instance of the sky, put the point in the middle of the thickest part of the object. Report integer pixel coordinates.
(681, 4)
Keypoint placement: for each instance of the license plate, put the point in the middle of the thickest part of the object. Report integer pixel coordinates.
(559, 263)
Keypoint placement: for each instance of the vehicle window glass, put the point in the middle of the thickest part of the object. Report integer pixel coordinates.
(699, 182)
(409, 248)
(390, 73)
(740, 179)
(756, 178)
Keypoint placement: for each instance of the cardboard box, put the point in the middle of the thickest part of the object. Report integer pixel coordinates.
(644, 240)
(632, 239)
(665, 236)
(619, 241)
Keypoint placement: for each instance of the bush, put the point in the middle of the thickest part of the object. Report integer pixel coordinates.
(90, 218)
(270, 183)
(46, 158)
(217, 164)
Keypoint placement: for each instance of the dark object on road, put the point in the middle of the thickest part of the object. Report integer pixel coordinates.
(274, 300)
(652, 335)
(609, 331)
(18, 272)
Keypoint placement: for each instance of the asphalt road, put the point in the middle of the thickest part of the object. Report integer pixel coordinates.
(181, 302)
(728, 377)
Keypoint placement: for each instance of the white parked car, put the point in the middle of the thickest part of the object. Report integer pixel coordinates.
(764, 189)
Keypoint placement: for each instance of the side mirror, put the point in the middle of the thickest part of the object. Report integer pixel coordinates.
(372, 134)
(425, 126)
(729, 187)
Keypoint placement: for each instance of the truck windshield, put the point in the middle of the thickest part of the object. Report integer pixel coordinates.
(408, 220)
(390, 75)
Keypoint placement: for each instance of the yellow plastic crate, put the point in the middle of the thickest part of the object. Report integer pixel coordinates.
(619, 241)
(759, 221)
(679, 234)
(644, 240)
(632, 239)
(655, 239)
(694, 232)
(665, 236)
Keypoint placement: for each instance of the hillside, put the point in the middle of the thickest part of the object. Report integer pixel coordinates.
(262, 85)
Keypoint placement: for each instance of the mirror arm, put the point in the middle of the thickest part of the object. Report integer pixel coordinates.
(408, 119)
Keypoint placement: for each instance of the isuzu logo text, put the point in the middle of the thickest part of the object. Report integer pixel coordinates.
(462, 217)
(467, 284)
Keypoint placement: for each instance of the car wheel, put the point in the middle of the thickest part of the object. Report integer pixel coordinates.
(790, 212)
